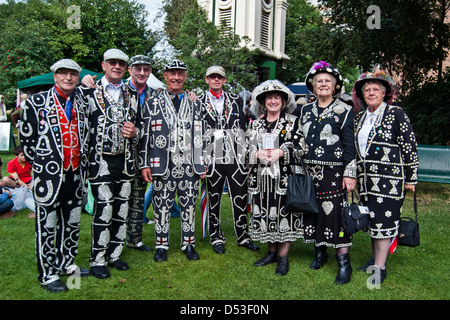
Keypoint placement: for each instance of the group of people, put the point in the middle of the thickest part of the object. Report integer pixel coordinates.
(375, 149)
(119, 136)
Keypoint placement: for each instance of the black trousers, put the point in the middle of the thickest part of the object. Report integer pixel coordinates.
(57, 229)
(237, 188)
(180, 180)
(136, 211)
(111, 191)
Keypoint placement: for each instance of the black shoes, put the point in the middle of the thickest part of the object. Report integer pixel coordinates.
(100, 272)
(369, 263)
(270, 257)
(119, 265)
(282, 266)
(219, 248)
(250, 245)
(321, 258)
(344, 269)
(190, 252)
(160, 255)
(55, 286)
(380, 277)
(139, 247)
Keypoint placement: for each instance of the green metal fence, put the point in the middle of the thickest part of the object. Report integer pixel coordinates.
(434, 163)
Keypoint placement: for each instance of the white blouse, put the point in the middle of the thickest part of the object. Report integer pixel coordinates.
(363, 135)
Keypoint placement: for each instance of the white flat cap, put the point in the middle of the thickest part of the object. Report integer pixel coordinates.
(65, 64)
(215, 70)
(115, 54)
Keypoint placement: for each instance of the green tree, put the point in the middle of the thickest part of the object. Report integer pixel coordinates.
(109, 24)
(32, 40)
(201, 44)
(309, 38)
(409, 41)
(35, 33)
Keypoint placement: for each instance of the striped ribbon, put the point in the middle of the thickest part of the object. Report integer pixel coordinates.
(393, 245)
(204, 208)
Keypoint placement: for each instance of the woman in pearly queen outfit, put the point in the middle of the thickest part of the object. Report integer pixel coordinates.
(387, 161)
(272, 152)
(329, 155)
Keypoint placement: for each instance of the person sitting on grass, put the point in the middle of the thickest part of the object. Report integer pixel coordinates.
(6, 203)
(19, 170)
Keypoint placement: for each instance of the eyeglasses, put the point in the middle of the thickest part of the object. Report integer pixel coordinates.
(115, 62)
(375, 90)
(65, 73)
(139, 69)
(214, 76)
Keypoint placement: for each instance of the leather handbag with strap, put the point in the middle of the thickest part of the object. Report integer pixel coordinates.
(354, 218)
(408, 230)
(301, 193)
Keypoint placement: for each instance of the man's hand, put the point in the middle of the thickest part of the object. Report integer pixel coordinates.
(147, 174)
(88, 81)
(129, 131)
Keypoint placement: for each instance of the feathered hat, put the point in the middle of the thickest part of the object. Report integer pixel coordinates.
(259, 93)
(379, 75)
(323, 66)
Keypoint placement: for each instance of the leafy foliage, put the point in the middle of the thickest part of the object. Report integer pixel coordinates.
(427, 107)
(406, 45)
(201, 44)
(34, 34)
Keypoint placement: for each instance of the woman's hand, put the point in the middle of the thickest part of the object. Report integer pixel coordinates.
(268, 156)
(410, 187)
(349, 184)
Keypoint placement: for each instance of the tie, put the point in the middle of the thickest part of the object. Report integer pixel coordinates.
(178, 96)
(116, 85)
(176, 99)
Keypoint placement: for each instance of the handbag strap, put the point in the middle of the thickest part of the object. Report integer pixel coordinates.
(303, 167)
(415, 204)
(353, 196)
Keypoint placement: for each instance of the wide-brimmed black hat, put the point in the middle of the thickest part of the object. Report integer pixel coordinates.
(323, 66)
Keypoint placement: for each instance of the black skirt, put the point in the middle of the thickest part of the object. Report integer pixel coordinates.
(325, 228)
(384, 216)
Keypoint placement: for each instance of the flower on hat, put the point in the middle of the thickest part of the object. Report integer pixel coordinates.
(319, 65)
(376, 74)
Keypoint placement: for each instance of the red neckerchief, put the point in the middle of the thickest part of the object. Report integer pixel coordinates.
(61, 93)
(217, 95)
(139, 89)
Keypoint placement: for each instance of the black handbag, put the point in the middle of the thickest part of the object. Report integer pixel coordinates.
(301, 193)
(353, 219)
(408, 230)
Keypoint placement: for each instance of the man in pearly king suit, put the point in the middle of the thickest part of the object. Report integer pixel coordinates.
(114, 117)
(225, 124)
(50, 131)
(171, 158)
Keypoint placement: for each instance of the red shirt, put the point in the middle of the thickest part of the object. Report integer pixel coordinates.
(24, 172)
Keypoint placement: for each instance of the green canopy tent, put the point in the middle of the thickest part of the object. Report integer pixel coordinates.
(45, 82)
(47, 79)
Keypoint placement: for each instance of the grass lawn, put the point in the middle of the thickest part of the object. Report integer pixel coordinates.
(420, 273)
